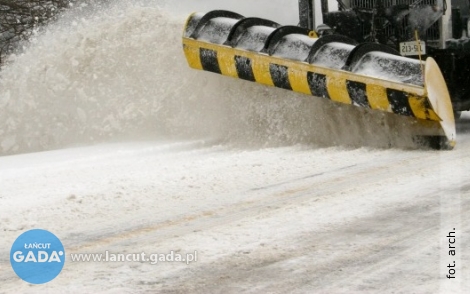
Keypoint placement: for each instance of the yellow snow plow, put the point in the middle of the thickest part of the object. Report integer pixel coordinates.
(332, 67)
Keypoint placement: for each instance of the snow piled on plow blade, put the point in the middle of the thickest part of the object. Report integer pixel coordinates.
(120, 74)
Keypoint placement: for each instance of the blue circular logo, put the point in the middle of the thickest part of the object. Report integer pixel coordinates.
(37, 256)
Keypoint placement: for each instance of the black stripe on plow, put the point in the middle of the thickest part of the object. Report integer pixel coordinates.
(427, 107)
(399, 102)
(317, 84)
(280, 76)
(209, 60)
(244, 68)
(357, 93)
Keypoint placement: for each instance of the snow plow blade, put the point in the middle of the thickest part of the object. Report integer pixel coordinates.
(332, 67)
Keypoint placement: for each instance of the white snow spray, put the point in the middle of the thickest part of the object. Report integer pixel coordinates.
(119, 73)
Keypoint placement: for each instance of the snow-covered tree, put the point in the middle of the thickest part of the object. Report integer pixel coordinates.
(19, 19)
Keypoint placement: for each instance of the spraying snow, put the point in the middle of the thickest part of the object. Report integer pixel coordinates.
(120, 73)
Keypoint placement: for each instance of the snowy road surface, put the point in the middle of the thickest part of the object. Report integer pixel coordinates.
(256, 180)
(274, 220)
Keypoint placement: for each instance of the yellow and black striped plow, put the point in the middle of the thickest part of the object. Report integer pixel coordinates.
(332, 67)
